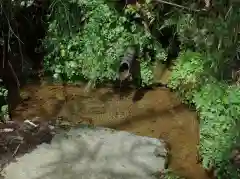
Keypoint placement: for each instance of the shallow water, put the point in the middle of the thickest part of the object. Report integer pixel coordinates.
(158, 114)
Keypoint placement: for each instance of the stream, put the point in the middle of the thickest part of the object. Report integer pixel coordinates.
(159, 114)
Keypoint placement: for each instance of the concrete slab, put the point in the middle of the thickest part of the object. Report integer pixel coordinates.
(92, 153)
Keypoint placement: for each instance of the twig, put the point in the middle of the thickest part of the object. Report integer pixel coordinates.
(4, 50)
(9, 160)
(16, 150)
(19, 138)
(30, 123)
(146, 23)
(14, 74)
(10, 28)
(177, 5)
(20, 49)
(228, 12)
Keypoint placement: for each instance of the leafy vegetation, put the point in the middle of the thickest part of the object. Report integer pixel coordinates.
(3, 103)
(218, 106)
(93, 52)
(202, 77)
(204, 73)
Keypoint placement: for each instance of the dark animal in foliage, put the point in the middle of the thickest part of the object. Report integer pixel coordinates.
(130, 73)
(129, 69)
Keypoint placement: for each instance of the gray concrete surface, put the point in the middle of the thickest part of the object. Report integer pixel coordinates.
(91, 153)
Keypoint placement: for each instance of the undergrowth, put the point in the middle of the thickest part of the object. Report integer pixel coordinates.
(218, 107)
(3, 102)
(200, 76)
(93, 51)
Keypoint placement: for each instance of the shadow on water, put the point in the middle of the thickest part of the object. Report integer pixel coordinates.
(126, 88)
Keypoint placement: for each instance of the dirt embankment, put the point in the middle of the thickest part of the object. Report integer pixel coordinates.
(158, 114)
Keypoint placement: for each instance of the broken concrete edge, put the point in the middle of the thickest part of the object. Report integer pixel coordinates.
(78, 131)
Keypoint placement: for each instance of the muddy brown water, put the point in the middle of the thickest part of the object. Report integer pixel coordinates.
(158, 114)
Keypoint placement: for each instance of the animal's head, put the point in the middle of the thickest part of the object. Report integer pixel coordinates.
(124, 71)
(126, 64)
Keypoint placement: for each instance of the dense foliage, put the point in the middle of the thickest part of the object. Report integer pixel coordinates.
(218, 108)
(202, 76)
(3, 103)
(94, 50)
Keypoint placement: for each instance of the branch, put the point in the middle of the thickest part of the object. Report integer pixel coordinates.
(177, 5)
(14, 74)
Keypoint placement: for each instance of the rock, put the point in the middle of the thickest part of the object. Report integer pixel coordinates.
(91, 153)
(25, 96)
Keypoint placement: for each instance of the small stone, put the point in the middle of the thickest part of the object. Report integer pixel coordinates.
(51, 127)
(6, 130)
(160, 152)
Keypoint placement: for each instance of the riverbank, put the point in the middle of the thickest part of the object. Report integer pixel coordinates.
(158, 114)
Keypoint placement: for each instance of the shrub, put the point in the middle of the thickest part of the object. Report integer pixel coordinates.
(209, 46)
(218, 106)
(93, 52)
(219, 109)
(187, 74)
(3, 102)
